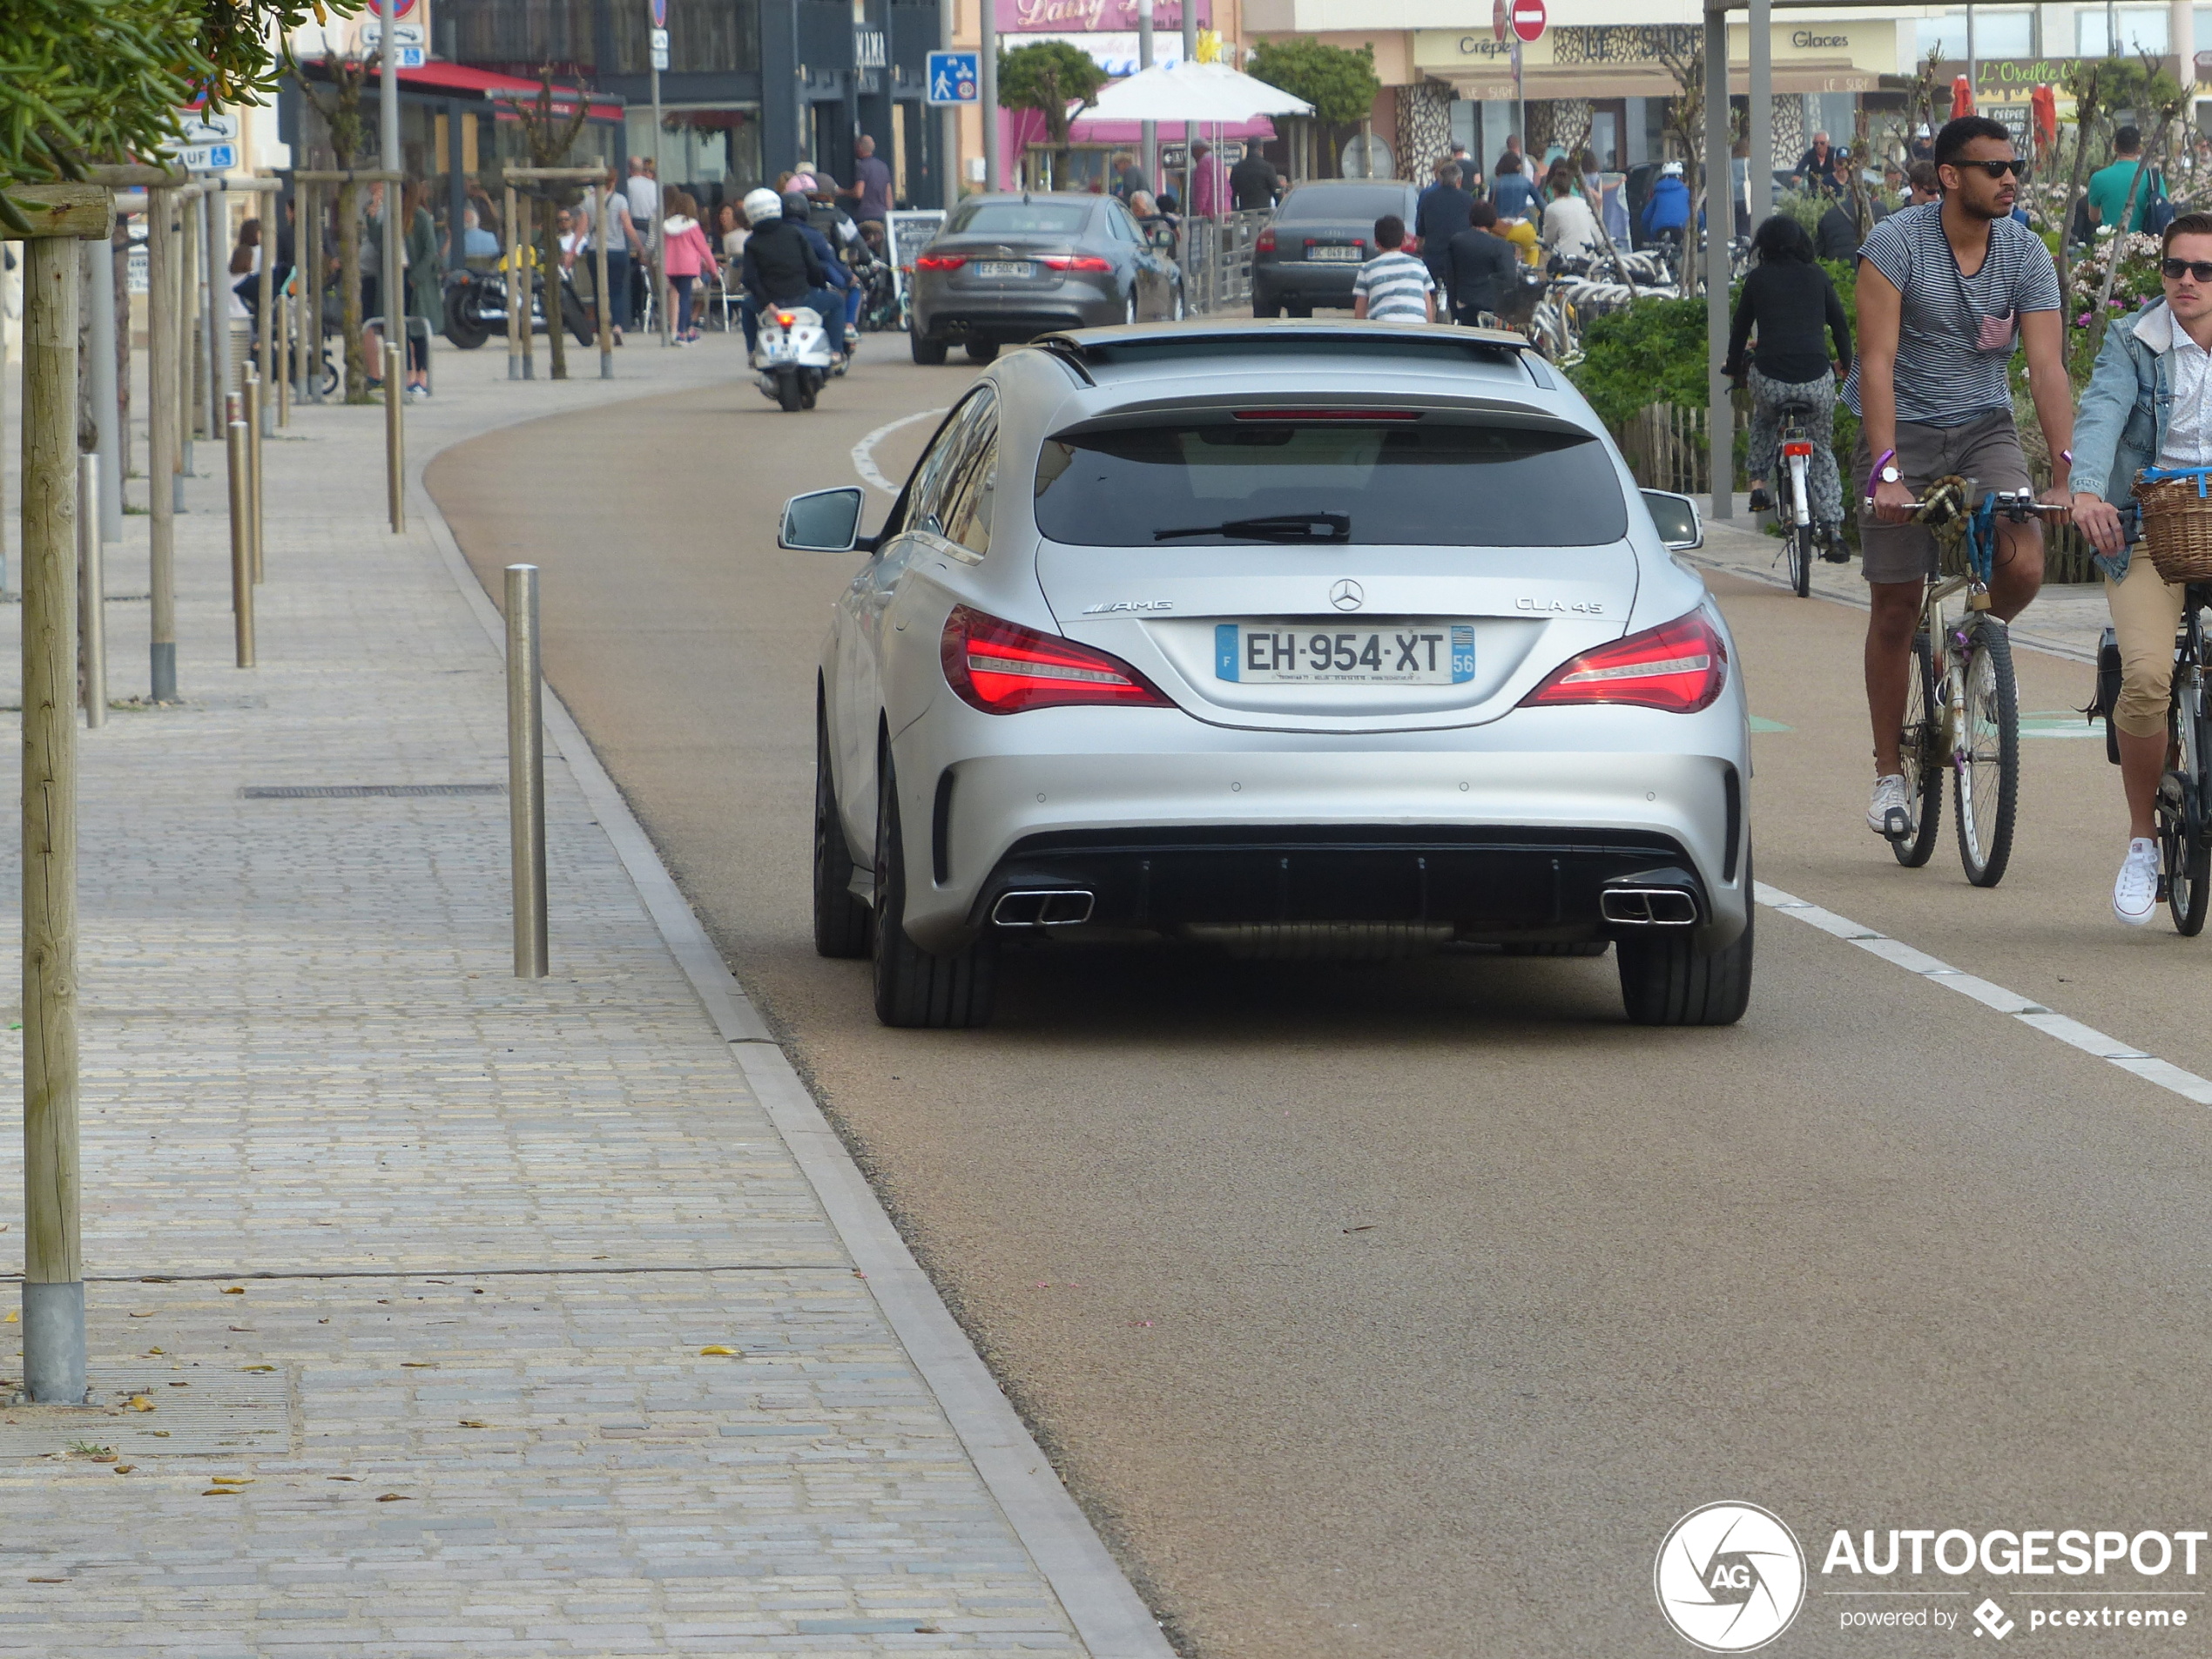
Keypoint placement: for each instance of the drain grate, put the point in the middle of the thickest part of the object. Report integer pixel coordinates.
(362, 792)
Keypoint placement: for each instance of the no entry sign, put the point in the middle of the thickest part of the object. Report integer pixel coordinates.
(1500, 19)
(1528, 19)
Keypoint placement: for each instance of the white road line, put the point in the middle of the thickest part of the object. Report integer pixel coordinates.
(2066, 1029)
(864, 451)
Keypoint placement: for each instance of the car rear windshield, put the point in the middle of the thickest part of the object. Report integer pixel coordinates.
(1342, 202)
(1019, 219)
(1283, 482)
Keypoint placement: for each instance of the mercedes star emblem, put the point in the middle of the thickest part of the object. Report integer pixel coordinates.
(1347, 595)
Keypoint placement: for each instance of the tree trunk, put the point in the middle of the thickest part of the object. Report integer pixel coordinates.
(349, 290)
(549, 263)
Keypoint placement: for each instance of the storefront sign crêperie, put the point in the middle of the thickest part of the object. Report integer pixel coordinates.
(1093, 17)
(1616, 60)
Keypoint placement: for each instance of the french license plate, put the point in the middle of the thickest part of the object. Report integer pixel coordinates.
(1342, 252)
(1411, 653)
(1004, 268)
(777, 347)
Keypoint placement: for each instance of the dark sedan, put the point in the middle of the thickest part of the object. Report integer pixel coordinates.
(1318, 239)
(1008, 269)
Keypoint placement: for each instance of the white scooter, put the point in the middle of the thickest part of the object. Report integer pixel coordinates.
(794, 356)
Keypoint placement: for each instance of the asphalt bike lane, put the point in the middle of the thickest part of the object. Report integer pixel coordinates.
(1403, 1309)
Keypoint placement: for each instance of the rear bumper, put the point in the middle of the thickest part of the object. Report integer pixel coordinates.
(1506, 844)
(1307, 282)
(954, 315)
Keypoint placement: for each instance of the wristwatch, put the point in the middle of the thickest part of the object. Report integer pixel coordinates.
(1890, 474)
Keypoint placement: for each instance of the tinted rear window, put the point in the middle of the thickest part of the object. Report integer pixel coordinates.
(1343, 201)
(1019, 219)
(1425, 485)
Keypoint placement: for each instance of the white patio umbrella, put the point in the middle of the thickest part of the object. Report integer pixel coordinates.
(1206, 94)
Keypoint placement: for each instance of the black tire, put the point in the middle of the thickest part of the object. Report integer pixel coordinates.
(1921, 749)
(810, 386)
(926, 351)
(840, 919)
(983, 351)
(1297, 310)
(1262, 307)
(1178, 313)
(1988, 786)
(1665, 980)
(463, 327)
(789, 396)
(1801, 560)
(914, 988)
(2184, 837)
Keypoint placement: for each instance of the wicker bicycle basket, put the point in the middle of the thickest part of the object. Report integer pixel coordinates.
(2177, 529)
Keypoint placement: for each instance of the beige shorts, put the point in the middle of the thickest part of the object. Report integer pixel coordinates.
(2146, 609)
(1986, 450)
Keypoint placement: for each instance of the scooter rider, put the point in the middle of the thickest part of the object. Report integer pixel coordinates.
(842, 291)
(781, 267)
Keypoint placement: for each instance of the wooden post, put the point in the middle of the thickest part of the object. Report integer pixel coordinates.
(194, 366)
(163, 453)
(251, 398)
(265, 308)
(241, 532)
(53, 1278)
(311, 297)
(284, 304)
(518, 298)
(395, 298)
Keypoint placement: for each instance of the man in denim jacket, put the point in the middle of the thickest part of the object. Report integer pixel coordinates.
(2149, 403)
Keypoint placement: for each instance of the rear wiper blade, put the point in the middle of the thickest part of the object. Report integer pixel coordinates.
(1281, 527)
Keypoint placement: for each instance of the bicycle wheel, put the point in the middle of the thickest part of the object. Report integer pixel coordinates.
(1921, 753)
(1988, 773)
(2184, 845)
(1801, 559)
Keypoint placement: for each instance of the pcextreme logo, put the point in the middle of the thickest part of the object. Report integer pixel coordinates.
(1729, 1577)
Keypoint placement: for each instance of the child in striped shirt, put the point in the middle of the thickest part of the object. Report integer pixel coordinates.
(1393, 287)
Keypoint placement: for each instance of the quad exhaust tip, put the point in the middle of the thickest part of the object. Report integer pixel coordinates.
(1043, 908)
(1648, 907)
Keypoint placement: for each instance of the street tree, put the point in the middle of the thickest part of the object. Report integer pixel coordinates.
(1341, 83)
(1048, 77)
(548, 136)
(345, 117)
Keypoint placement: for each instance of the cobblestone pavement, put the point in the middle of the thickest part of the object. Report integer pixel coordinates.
(436, 1313)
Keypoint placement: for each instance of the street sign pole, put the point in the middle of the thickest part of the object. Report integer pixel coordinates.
(947, 118)
(1149, 129)
(394, 299)
(986, 64)
(656, 255)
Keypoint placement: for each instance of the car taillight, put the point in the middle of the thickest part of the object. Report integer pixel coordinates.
(1267, 243)
(941, 261)
(1679, 667)
(1075, 262)
(1797, 448)
(784, 319)
(1002, 668)
(1411, 245)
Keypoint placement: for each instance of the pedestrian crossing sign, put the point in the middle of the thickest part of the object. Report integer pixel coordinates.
(953, 77)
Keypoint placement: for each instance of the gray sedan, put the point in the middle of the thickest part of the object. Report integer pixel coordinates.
(1290, 639)
(1008, 268)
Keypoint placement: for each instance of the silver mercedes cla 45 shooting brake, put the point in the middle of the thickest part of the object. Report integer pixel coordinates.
(1298, 638)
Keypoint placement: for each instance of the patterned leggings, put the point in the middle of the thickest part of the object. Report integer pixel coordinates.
(1767, 397)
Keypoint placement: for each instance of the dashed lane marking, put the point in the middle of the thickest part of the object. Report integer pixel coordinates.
(2070, 1031)
(864, 451)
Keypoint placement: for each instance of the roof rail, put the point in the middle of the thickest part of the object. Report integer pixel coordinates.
(1067, 352)
(1105, 345)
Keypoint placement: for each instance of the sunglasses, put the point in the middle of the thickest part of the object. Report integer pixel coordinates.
(1995, 169)
(2201, 269)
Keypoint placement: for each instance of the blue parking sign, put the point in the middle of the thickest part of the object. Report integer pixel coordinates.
(954, 77)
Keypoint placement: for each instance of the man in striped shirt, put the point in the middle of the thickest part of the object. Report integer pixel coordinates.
(1946, 292)
(1393, 287)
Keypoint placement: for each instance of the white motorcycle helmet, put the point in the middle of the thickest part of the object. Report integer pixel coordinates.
(762, 204)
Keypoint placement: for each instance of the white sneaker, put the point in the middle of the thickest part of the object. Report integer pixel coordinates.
(1891, 812)
(2135, 895)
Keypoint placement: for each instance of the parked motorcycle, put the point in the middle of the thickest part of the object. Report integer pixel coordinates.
(476, 309)
(794, 356)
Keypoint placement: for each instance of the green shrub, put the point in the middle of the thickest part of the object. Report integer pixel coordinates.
(1653, 352)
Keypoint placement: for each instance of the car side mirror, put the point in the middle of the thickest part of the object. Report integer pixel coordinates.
(822, 521)
(1676, 517)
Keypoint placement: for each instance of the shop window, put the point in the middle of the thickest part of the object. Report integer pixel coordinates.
(2142, 29)
(1997, 34)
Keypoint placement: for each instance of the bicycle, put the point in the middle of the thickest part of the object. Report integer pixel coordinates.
(2185, 790)
(1962, 703)
(1793, 492)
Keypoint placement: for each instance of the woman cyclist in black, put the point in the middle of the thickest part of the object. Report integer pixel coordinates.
(1790, 301)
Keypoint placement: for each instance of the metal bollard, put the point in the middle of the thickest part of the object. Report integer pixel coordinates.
(254, 412)
(284, 360)
(241, 533)
(526, 771)
(91, 618)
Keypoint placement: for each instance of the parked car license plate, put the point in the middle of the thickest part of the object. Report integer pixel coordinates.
(1409, 653)
(1343, 252)
(1004, 268)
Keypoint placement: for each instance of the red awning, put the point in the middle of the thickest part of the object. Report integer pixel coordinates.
(486, 84)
